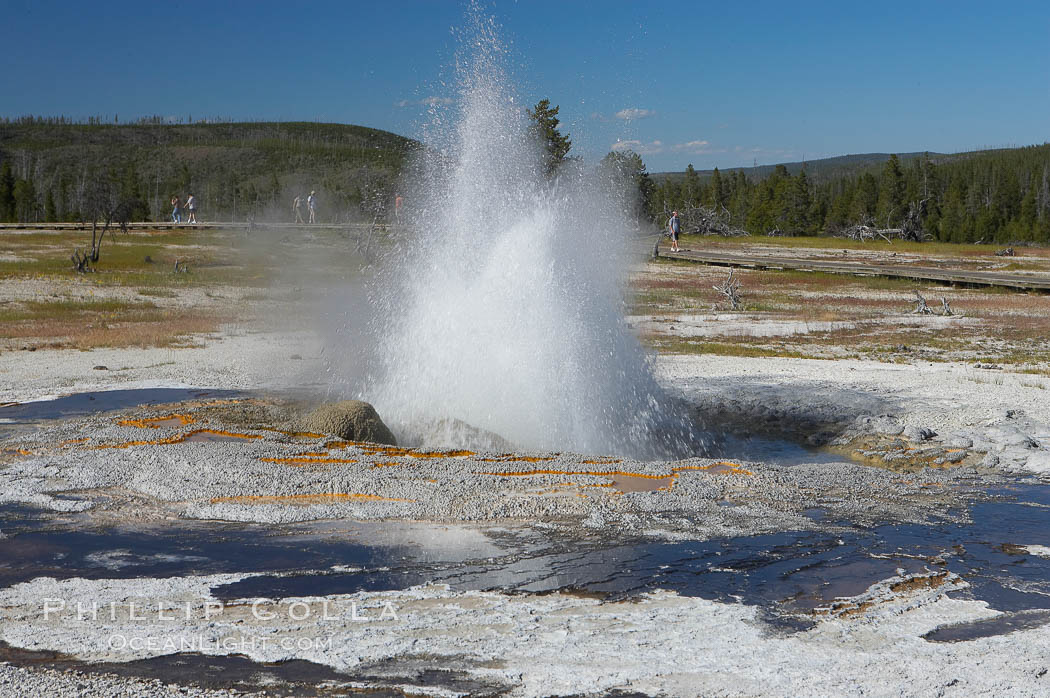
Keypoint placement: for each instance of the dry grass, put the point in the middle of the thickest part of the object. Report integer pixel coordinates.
(176, 331)
(164, 328)
(141, 262)
(676, 345)
(926, 249)
(99, 323)
(134, 259)
(995, 326)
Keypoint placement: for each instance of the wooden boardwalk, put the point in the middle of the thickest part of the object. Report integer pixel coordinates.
(208, 225)
(961, 277)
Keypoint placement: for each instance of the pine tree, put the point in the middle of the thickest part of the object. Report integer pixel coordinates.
(50, 212)
(131, 193)
(624, 172)
(839, 212)
(545, 129)
(955, 224)
(865, 196)
(691, 187)
(798, 204)
(275, 188)
(716, 191)
(890, 206)
(7, 193)
(25, 201)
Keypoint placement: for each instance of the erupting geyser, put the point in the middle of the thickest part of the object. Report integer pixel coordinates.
(504, 307)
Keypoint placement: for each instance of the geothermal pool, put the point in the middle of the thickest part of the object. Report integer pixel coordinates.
(621, 544)
(966, 537)
(789, 575)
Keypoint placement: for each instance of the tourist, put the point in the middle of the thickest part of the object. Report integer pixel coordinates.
(191, 207)
(675, 227)
(398, 202)
(297, 206)
(311, 203)
(176, 210)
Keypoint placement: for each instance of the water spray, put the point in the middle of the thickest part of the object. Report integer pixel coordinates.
(506, 308)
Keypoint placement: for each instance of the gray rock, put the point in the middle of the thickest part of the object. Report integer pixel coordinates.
(954, 457)
(352, 420)
(452, 433)
(1039, 462)
(1005, 435)
(881, 424)
(914, 433)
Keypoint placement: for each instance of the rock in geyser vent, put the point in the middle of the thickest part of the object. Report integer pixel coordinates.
(352, 420)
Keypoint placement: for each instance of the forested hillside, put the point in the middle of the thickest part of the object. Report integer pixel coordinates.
(236, 170)
(824, 168)
(994, 196)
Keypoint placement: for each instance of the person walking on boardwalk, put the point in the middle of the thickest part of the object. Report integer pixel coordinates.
(176, 209)
(297, 206)
(675, 227)
(191, 208)
(398, 203)
(311, 203)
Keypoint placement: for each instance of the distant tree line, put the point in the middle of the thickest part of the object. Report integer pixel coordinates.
(98, 120)
(49, 166)
(51, 169)
(991, 196)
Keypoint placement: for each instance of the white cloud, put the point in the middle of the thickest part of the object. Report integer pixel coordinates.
(781, 153)
(425, 102)
(638, 147)
(698, 146)
(633, 113)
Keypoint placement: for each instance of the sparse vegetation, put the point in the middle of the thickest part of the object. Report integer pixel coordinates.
(994, 196)
(818, 315)
(131, 299)
(236, 170)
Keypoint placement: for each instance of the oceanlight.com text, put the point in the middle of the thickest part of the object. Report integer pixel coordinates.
(215, 645)
(260, 610)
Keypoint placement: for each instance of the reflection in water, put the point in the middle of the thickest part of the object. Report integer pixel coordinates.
(172, 420)
(788, 574)
(80, 404)
(989, 627)
(632, 483)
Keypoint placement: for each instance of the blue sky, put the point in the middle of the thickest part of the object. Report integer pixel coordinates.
(712, 84)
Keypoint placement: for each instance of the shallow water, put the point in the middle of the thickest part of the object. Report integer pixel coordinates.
(27, 416)
(24, 416)
(767, 449)
(787, 574)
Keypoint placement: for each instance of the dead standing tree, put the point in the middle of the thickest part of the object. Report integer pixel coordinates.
(102, 202)
(701, 220)
(368, 242)
(911, 227)
(864, 231)
(921, 307)
(730, 288)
